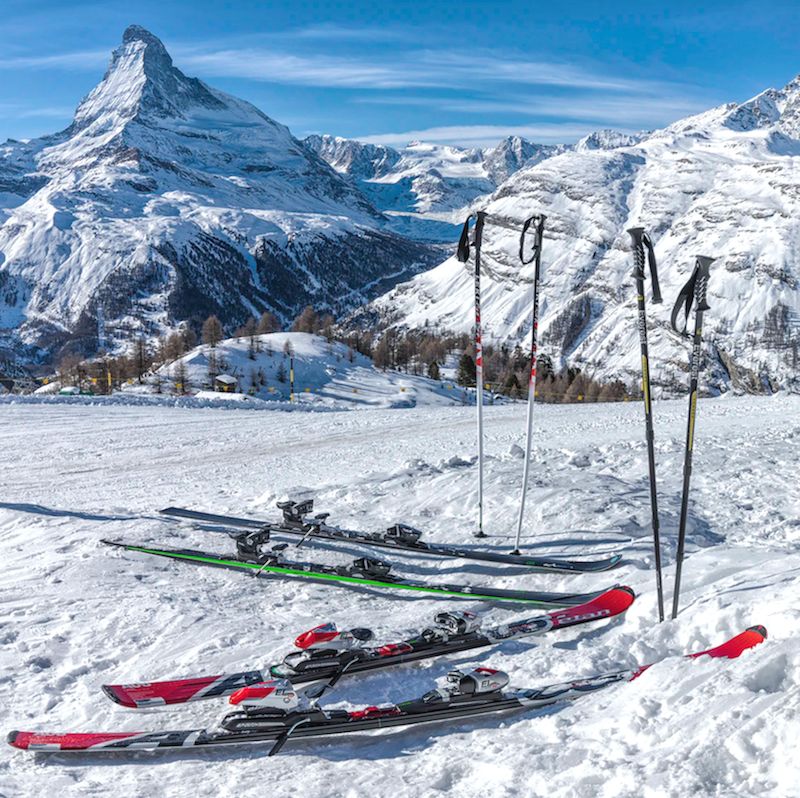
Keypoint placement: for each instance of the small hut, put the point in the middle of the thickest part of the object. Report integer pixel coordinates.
(225, 383)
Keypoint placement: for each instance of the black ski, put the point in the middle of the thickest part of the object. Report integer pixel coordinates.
(399, 538)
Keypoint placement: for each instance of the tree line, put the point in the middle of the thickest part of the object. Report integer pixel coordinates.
(421, 352)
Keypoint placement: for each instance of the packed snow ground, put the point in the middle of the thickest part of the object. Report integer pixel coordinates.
(76, 615)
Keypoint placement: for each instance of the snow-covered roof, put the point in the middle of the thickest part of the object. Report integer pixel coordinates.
(227, 379)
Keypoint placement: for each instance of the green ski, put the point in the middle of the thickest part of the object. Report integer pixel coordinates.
(364, 572)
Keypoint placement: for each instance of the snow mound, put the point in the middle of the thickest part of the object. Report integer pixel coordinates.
(325, 374)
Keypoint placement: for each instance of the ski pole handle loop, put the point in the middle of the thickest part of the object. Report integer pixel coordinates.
(651, 260)
(695, 292)
(538, 221)
(462, 253)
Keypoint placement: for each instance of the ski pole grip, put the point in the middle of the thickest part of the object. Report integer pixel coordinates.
(703, 265)
(480, 218)
(637, 239)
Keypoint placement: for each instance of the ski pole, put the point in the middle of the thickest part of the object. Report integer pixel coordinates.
(536, 259)
(693, 293)
(641, 240)
(463, 256)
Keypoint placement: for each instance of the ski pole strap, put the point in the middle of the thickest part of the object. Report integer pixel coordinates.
(641, 241)
(537, 238)
(651, 260)
(693, 293)
(462, 253)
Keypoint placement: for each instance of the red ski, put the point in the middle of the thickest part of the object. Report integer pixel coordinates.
(274, 712)
(325, 653)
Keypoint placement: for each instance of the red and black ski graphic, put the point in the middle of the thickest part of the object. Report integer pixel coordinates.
(319, 723)
(178, 691)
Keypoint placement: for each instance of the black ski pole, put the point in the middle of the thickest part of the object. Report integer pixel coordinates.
(641, 240)
(693, 293)
(463, 255)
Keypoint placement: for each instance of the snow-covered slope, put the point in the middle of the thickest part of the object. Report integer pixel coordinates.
(426, 187)
(77, 615)
(326, 374)
(725, 183)
(167, 199)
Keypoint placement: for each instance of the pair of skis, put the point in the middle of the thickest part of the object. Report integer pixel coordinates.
(694, 293)
(536, 225)
(401, 538)
(324, 653)
(273, 711)
(364, 572)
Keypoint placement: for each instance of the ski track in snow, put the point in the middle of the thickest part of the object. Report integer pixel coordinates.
(75, 615)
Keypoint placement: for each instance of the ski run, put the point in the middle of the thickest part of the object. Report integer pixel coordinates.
(80, 615)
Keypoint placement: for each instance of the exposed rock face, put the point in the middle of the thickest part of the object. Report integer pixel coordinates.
(166, 199)
(725, 183)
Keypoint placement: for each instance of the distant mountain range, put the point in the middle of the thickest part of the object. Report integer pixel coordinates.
(724, 183)
(424, 188)
(167, 200)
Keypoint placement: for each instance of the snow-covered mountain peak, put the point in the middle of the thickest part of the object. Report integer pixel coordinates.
(142, 83)
(723, 182)
(609, 140)
(166, 200)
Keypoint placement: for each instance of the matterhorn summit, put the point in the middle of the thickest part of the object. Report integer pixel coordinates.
(165, 200)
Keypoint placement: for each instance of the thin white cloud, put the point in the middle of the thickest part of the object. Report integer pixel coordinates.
(320, 70)
(407, 69)
(330, 32)
(636, 110)
(486, 135)
(46, 112)
(81, 59)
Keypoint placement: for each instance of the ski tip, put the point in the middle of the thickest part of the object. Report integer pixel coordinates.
(11, 738)
(758, 629)
(618, 599)
(737, 645)
(116, 697)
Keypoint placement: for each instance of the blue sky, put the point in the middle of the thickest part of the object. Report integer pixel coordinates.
(455, 72)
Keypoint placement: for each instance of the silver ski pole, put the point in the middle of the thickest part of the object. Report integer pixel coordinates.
(536, 258)
(463, 256)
